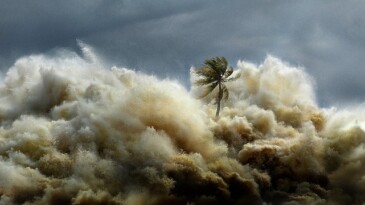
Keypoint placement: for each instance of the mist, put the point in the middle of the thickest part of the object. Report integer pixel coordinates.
(75, 131)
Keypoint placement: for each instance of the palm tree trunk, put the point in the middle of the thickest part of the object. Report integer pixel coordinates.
(219, 99)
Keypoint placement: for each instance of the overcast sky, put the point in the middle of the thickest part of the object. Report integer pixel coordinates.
(167, 37)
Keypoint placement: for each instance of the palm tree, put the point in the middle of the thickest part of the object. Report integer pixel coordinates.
(214, 73)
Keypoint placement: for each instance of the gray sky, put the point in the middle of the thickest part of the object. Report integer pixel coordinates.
(166, 37)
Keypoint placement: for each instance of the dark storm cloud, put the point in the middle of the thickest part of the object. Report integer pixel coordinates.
(167, 37)
(42, 25)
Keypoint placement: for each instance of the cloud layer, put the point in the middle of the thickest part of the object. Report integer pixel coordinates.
(74, 131)
(167, 37)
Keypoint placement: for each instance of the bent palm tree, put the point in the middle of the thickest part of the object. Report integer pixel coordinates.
(214, 73)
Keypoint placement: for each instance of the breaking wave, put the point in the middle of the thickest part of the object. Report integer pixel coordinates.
(76, 132)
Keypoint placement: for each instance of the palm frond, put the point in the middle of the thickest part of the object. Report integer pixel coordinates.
(223, 64)
(212, 63)
(205, 71)
(204, 81)
(228, 72)
(219, 64)
(209, 89)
